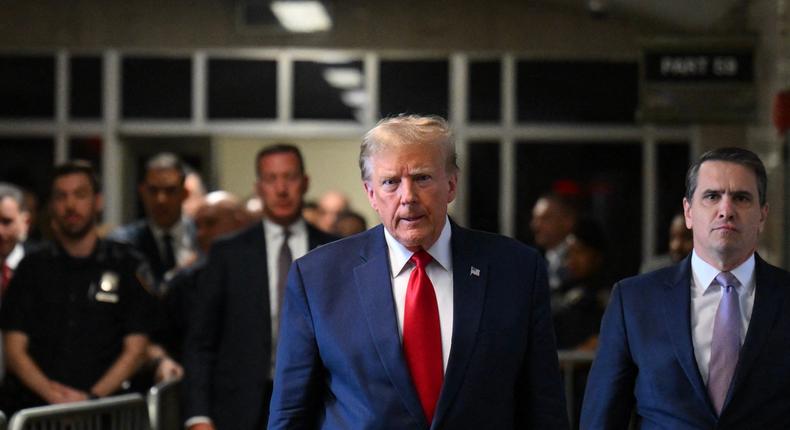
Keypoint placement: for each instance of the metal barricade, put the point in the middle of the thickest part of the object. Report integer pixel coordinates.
(570, 362)
(125, 412)
(164, 405)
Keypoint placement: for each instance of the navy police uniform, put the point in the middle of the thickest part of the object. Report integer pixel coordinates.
(76, 313)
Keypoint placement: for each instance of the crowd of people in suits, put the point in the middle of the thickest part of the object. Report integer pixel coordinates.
(236, 298)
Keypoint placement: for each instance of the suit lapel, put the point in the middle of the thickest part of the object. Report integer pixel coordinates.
(258, 259)
(150, 247)
(768, 298)
(374, 287)
(469, 280)
(677, 315)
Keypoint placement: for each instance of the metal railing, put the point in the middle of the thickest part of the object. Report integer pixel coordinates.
(125, 412)
(164, 405)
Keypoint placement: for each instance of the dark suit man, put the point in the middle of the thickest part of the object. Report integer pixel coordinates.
(165, 237)
(418, 323)
(701, 345)
(229, 345)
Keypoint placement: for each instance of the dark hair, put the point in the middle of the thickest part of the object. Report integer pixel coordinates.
(589, 232)
(741, 156)
(78, 167)
(11, 191)
(278, 148)
(352, 215)
(167, 161)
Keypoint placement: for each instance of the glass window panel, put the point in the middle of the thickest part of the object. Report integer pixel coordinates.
(329, 90)
(605, 181)
(483, 179)
(242, 89)
(89, 149)
(418, 86)
(576, 91)
(485, 95)
(85, 87)
(27, 87)
(672, 163)
(157, 88)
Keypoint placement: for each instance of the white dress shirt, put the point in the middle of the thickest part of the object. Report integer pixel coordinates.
(555, 261)
(440, 272)
(705, 301)
(183, 243)
(15, 256)
(298, 244)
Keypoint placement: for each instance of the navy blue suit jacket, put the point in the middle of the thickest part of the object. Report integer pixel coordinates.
(340, 363)
(646, 358)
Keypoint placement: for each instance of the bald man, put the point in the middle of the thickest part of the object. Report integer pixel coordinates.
(219, 213)
(330, 206)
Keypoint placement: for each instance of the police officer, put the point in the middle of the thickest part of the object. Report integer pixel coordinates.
(77, 315)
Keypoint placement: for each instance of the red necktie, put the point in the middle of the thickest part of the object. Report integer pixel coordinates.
(5, 277)
(422, 339)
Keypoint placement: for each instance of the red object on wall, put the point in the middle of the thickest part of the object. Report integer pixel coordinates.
(782, 111)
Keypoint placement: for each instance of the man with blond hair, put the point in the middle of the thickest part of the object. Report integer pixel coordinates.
(418, 322)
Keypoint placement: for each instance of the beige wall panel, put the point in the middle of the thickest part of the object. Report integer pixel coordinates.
(331, 165)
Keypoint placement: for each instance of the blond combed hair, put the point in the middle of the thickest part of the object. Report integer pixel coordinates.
(408, 130)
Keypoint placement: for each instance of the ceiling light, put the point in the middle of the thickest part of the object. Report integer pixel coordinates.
(302, 16)
(354, 98)
(343, 77)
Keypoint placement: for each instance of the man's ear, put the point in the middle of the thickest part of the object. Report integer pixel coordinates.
(369, 192)
(305, 184)
(98, 201)
(687, 212)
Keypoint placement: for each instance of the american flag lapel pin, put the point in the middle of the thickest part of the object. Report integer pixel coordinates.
(474, 271)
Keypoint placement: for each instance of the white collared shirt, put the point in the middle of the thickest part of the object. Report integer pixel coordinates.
(440, 272)
(183, 244)
(297, 242)
(705, 301)
(555, 260)
(13, 259)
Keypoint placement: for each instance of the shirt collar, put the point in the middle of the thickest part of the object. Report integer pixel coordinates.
(558, 250)
(440, 250)
(704, 273)
(15, 256)
(275, 231)
(176, 231)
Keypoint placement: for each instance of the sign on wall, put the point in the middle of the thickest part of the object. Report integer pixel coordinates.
(693, 82)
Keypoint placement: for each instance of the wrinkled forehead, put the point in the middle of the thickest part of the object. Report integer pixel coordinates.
(726, 175)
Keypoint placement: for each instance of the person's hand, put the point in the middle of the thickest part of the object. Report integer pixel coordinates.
(168, 369)
(62, 393)
(201, 426)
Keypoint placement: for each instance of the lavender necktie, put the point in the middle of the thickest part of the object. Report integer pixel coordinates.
(726, 341)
